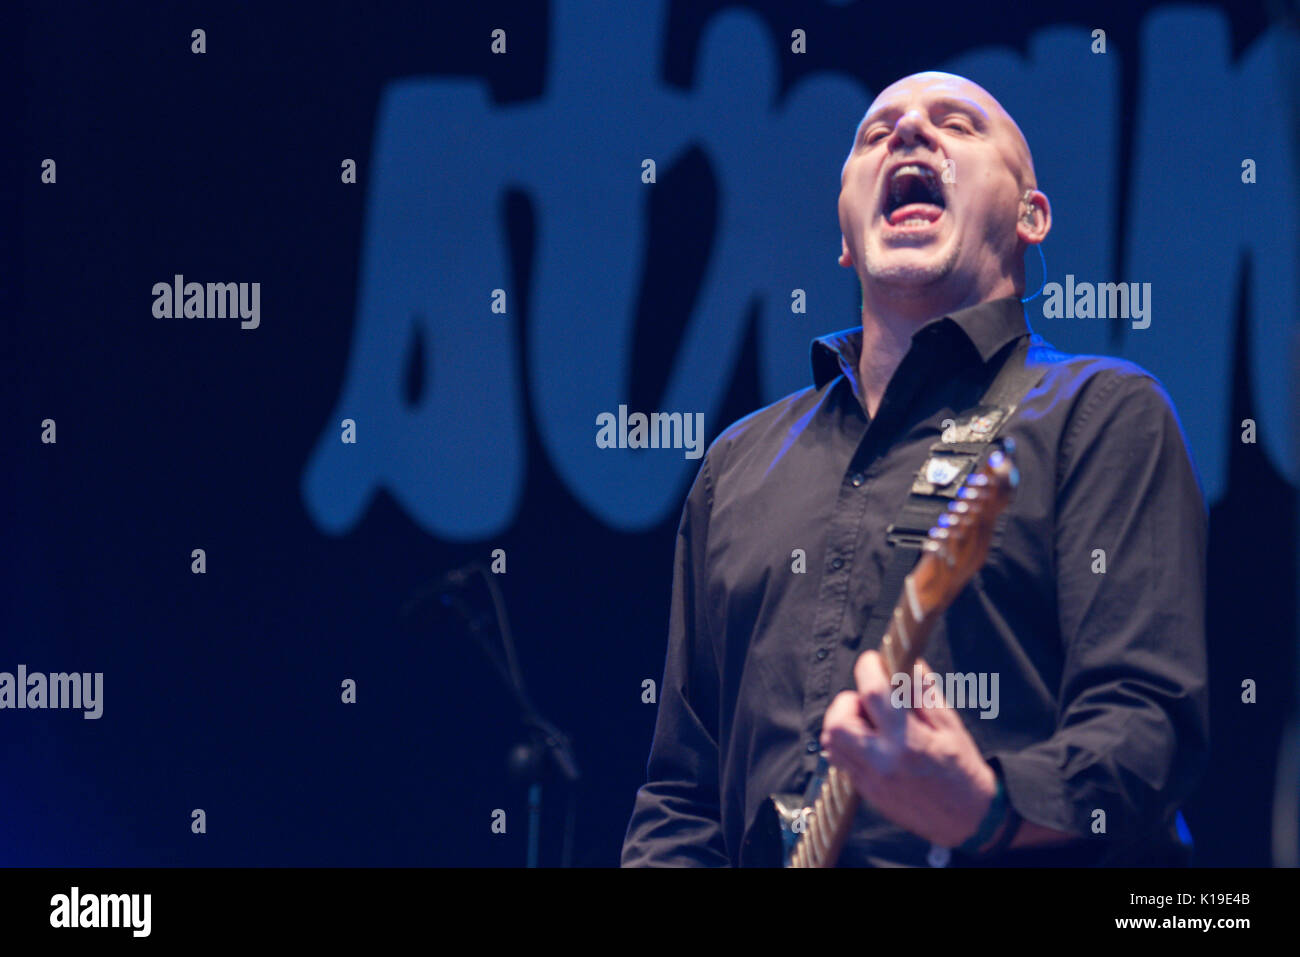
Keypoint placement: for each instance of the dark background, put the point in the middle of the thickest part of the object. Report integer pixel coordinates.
(222, 690)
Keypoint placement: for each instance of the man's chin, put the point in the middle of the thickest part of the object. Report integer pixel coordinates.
(909, 271)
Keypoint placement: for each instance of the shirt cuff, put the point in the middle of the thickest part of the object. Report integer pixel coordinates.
(1035, 790)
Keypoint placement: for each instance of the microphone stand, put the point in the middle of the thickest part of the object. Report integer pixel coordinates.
(527, 760)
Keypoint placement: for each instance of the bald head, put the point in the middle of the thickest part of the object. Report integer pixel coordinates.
(938, 198)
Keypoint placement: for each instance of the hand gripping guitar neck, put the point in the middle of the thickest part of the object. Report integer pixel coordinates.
(953, 552)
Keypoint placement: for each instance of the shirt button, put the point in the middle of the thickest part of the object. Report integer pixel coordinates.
(821, 654)
(857, 479)
(837, 564)
(813, 747)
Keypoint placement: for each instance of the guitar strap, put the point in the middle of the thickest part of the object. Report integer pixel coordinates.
(959, 451)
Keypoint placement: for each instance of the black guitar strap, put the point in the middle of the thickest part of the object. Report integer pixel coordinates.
(960, 450)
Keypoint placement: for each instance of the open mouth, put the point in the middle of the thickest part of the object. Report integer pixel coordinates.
(913, 196)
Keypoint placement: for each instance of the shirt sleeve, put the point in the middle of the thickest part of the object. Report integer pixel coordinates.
(1133, 717)
(676, 817)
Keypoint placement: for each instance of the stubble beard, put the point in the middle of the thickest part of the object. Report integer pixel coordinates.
(914, 275)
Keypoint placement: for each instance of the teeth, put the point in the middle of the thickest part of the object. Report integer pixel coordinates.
(915, 169)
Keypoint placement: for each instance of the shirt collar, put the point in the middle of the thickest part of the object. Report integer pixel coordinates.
(988, 326)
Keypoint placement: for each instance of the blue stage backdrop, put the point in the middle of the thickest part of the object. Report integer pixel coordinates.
(452, 239)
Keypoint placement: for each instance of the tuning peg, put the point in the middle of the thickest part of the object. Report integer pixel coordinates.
(936, 543)
(1004, 455)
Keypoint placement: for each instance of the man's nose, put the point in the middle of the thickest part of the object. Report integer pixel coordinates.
(910, 128)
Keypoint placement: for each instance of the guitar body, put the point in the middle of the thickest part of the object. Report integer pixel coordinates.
(781, 820)
(776, 829)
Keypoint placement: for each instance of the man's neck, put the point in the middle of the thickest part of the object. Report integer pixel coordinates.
(888, 325)
(883, 346)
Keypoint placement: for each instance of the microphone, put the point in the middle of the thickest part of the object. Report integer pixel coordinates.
(455, 579)
(444, 588)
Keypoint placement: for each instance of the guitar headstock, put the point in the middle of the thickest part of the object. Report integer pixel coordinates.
(959, 543)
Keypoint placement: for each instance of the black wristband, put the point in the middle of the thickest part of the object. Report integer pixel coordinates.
(1013, 827)
(993, 819)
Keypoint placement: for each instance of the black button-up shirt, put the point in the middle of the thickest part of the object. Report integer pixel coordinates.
(1089, 609)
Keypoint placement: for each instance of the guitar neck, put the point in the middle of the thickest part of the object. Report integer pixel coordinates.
(909, 629)
(830, 820)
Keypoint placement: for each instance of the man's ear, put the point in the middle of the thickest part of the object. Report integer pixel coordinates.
(845, 259)
(1035, 220)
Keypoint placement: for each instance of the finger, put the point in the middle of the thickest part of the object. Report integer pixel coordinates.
(879, 701)
(845, 732)
(929, 704)
(938, 712)
(845, 718)
(876, 686)
(846, 738)
(869, 671)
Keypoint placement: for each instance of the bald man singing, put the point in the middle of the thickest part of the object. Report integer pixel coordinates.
(1083, 631)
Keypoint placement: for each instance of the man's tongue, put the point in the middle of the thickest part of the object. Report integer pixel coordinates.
(927, 211)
